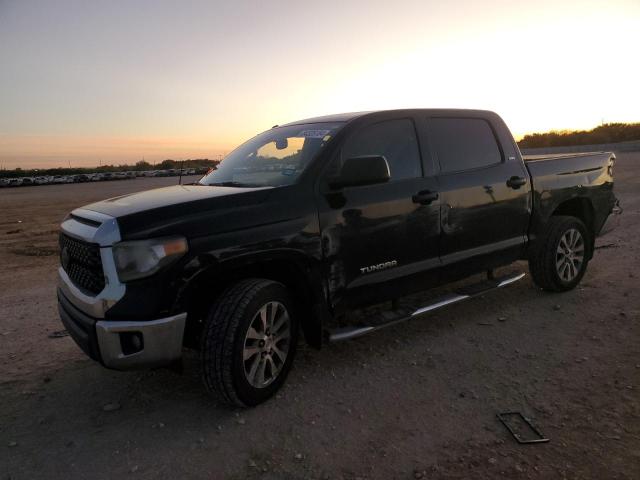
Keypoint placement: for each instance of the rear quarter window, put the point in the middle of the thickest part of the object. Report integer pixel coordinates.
(463, 143)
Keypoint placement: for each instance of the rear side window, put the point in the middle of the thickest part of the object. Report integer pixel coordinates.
(393, 139)
(463, 143)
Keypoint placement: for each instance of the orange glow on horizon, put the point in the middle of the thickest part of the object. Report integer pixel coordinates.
(51, 151)
(209, 76)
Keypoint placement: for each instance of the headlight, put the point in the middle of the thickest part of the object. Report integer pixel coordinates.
(141, 258)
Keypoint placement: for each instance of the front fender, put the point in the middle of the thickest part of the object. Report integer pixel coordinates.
(206, 278)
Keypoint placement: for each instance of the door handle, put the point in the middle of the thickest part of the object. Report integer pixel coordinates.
(425, 197)
(516, 182)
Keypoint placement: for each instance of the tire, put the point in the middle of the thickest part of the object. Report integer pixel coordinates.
(227, 338)
(552, 268)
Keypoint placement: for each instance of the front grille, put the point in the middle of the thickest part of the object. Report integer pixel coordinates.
(81, 261)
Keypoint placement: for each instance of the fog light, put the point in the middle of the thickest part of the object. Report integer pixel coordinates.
(131, 342)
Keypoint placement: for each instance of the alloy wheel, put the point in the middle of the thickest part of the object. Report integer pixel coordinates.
(570, 255)
(267, 344)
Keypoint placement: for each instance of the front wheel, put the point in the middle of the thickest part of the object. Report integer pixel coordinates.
(560, 259)
(248, 342)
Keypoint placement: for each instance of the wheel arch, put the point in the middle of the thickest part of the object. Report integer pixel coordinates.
(298, 273)
(581, 208)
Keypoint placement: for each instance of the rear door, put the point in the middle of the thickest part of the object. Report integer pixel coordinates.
(378, 241)
(485, 204)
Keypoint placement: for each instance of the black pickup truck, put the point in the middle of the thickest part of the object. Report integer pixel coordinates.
(308, 222)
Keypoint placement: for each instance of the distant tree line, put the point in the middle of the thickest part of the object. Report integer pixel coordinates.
(607, 133)
(198, 164)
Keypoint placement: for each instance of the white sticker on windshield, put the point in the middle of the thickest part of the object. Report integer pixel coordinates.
(314, 133)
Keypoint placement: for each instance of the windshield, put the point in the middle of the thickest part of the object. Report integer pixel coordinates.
(273, 158)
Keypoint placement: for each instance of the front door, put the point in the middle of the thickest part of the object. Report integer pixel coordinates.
(378, 241)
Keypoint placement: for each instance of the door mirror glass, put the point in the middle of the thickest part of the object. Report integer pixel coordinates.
(363, 170)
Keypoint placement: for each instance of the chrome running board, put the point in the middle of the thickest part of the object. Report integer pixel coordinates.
(511, 279)
(448, 300)
(349, 332)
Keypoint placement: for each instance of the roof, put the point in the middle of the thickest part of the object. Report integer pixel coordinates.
(346, 117)
(338, 117)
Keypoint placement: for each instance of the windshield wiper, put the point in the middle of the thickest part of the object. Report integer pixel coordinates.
(232, 184)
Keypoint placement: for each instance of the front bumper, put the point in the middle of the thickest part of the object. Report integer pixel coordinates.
(124, 345)
(612, 221)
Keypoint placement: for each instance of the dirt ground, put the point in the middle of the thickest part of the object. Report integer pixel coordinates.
(415, 401)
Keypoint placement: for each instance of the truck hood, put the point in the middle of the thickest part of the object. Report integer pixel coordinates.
(164, 197)
(179, 209)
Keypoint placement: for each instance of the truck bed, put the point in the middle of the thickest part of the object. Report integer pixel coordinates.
(567, 164)
(558, 179)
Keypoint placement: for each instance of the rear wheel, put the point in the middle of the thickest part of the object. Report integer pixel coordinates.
(248, 342)
(560, 258)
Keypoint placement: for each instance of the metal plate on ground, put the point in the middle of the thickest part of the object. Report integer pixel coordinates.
(521, 428)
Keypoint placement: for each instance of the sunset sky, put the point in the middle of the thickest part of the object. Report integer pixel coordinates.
(84, 82)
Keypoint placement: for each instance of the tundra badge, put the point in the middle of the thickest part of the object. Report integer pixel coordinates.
(380, 266)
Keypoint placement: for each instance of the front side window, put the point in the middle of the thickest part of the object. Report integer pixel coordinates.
(463, 143)
(273, 158)
(395, 140)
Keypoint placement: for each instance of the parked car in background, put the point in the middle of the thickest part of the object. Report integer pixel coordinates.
(93, 177)
(59, 179)
(41, 180)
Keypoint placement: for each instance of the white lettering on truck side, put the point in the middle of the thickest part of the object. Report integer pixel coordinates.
(380, 266)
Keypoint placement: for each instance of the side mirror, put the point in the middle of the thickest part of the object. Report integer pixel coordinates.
(365, 170)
